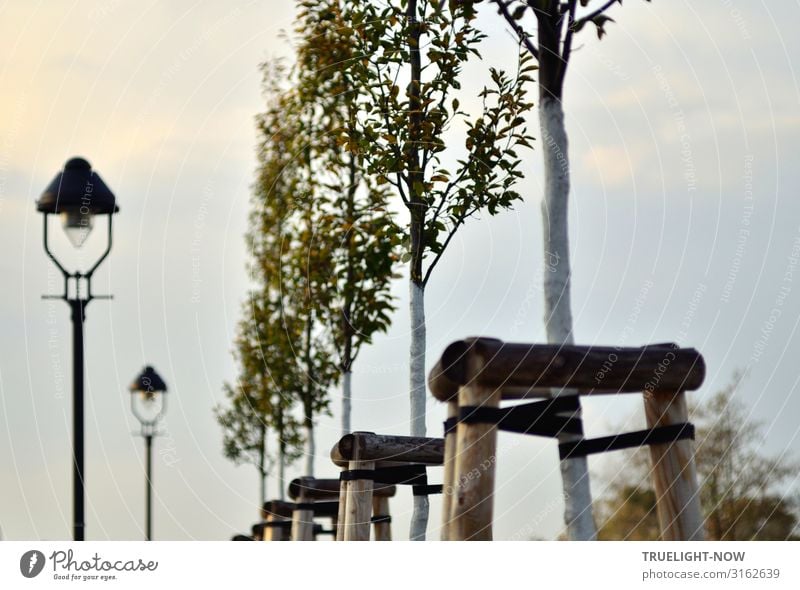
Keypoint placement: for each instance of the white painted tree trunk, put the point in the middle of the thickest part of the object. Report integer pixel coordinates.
(557, 304)
(262, 471)
(346, 401)
(281, 473)
(419, 517)
(310, 451)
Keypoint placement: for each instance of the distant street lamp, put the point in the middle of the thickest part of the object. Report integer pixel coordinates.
(77, 194)
(148, 403)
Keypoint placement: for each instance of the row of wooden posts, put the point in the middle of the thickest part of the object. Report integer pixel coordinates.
(474, 377)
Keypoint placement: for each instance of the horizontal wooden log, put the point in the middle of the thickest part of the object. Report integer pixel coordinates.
(277, 508)
(385, 447)
(314, 489)
(529, 370)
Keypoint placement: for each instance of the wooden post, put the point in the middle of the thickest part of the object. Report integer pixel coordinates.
(674, 474)
(258, 531)
(474, 469)
(303, 518)
(277, 518)
(276, 533)
(359, 504)
(380, 508)
(341, 520)
(448, 485)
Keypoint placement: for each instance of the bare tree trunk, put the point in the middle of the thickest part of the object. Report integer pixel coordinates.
(262, 461)
(557, 304)
(347, 308)
(308, 404)
(346, 401)
(310, 449)
(417, 359)
(282, 472)
(419, 518)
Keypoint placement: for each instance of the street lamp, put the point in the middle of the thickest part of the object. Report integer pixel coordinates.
(77, 194)
(148, 403)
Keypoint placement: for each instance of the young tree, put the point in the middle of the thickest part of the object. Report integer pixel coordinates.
(244, 425)
(402, 136)
(294, 257)
(256, 404)
(556, 23)
(305, 297)
(359, 231)
(742, 490)
(269, 374)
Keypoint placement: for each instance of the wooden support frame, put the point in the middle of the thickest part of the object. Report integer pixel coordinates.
(483, 371)
(360, 499)
(382, 492)
(277, 518)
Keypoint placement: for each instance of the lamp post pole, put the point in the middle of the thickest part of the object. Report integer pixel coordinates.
(77, 194)
(148, 404)
(78, 309)
(148, 441)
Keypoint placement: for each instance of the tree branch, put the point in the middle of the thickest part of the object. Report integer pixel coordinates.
(523, 36)
(585, 19)
(567, 49)
(459, 222)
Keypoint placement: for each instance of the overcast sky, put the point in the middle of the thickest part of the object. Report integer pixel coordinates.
(685, 226)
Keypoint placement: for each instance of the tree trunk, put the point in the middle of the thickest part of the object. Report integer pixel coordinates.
(282, 472)
(419, 518)
(417, 209)
(262, 460)
(280, 431)
(310, 447)
(417, 359)
(347, 308)
(557, 304)
(308, 403)
(346, 401)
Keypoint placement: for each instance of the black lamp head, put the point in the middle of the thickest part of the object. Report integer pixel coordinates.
(148, 383)
(75, 189)
(77, 194)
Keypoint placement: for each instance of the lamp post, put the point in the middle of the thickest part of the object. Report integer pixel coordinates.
(77, 194)
(148, 403)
